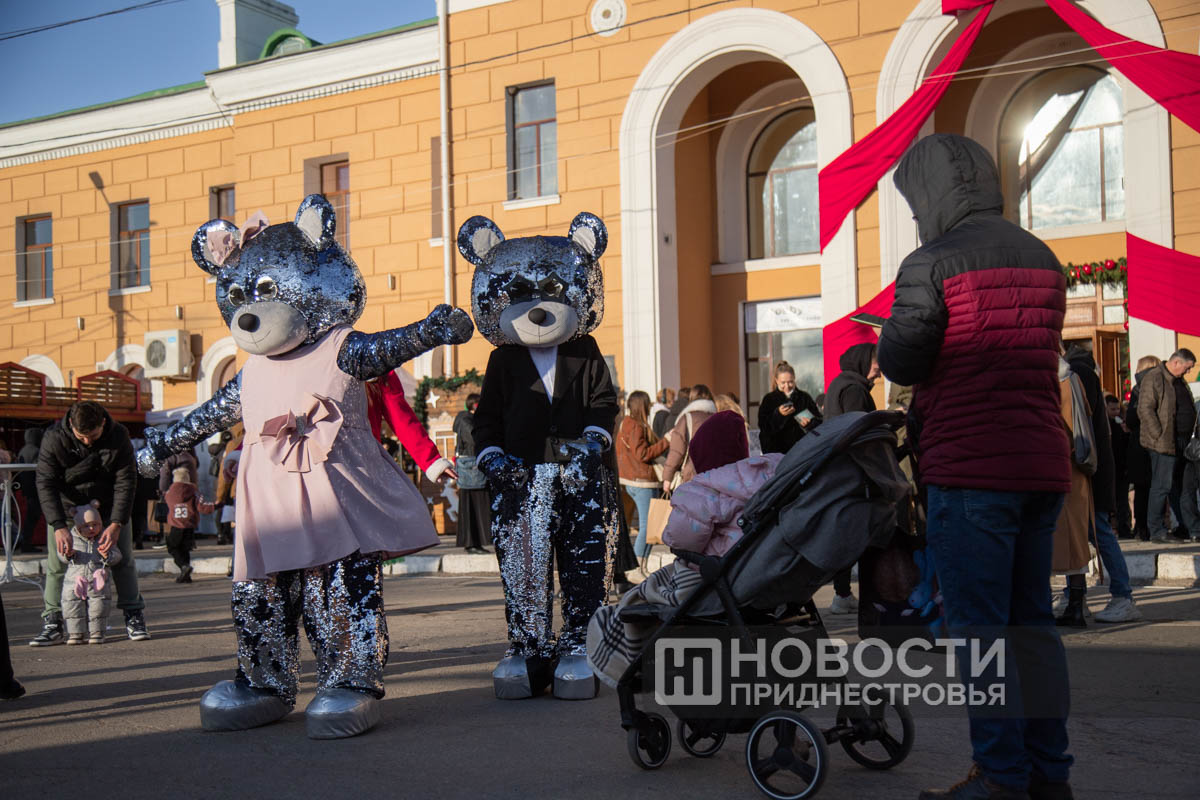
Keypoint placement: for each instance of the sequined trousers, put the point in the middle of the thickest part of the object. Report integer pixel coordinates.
(566, 512)
(341, 605)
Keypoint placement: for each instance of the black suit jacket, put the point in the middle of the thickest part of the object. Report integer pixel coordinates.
(515, 414)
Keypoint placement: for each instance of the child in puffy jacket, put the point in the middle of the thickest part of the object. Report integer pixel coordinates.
(704, 514)
(184, 507)
(87, 584)
(704, 511)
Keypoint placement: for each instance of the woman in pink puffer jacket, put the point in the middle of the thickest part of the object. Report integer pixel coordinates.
(704, 513)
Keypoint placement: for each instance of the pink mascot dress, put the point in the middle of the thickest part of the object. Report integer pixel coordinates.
(320, 503)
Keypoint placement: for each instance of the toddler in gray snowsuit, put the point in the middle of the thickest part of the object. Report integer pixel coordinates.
(87, 585)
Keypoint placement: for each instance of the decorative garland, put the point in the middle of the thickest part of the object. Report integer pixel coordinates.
(454, 382)
(1111, 271)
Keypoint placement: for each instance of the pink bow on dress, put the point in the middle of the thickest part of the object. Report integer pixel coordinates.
(298, 442)
(221, 243)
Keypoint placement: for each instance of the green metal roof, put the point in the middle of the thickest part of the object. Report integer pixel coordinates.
(274, 40)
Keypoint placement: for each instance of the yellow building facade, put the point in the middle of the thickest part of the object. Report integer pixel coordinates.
(694, 129)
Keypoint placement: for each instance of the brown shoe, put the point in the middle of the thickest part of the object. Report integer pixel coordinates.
(975, 787)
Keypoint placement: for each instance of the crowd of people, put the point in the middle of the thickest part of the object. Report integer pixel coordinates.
(1003, 512)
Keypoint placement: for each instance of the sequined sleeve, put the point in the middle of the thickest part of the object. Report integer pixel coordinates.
(370, 355)
(222, 411)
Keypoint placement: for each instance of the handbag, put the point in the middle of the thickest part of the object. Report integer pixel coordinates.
(160, 512)
(469, 475)
(1083, 438)
(1192, 451)
(656, 519)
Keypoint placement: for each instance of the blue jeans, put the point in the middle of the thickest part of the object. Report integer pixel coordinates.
(993, 551)
(642, 495)
(1111, 557)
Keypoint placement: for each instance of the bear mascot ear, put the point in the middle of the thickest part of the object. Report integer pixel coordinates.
(213, 243)
(477, 237)
(316, 220)
(588, 231)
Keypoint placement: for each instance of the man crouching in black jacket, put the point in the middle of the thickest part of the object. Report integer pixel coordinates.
(87, 456)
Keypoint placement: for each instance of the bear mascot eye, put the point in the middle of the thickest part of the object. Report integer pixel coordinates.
(266, 288)
(237, 295)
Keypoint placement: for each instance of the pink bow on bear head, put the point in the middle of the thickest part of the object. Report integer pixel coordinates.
(221, 243)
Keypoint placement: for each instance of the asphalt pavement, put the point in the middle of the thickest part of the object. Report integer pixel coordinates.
(120, 720)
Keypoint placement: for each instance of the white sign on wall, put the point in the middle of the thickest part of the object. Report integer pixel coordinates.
(783, 315)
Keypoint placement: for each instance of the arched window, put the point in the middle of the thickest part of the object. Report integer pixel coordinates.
(1063, 138)
(781, 187)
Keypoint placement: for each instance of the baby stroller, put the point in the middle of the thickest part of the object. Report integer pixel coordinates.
(832, 496)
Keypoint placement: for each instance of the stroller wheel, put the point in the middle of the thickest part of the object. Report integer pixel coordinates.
(699, 745)
(650, 743)
(882, 734)
(786, 756)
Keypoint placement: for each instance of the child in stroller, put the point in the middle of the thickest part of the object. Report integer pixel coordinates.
(830, 498)
(704, 514)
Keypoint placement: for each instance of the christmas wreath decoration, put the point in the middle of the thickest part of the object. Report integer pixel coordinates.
(421, 396)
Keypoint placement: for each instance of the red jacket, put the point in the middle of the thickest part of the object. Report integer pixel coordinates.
(385, 399)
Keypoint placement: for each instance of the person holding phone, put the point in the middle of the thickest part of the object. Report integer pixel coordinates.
(785, 413)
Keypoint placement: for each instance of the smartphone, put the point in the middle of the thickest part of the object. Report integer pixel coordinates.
(787, 406)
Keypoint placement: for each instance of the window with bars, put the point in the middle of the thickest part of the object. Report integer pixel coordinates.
(133, 246)
(223, 203)
(335, 185)
(781, 187)
(35, 259)
(1063, 141)
(532, 142)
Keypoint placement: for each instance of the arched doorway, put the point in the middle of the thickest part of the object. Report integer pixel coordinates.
(673, 268)
(922, 41)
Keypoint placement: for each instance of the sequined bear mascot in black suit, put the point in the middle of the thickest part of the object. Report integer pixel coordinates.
(320, 503)
(545, 419)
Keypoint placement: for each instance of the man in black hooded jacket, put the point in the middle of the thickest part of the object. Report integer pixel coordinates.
(975, 328)
(86, 456)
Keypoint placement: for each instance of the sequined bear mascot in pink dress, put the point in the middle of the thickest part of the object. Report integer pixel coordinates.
(543, 428)
(320, 503)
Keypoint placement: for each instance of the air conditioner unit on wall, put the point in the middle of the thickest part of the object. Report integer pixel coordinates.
(168, 354)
